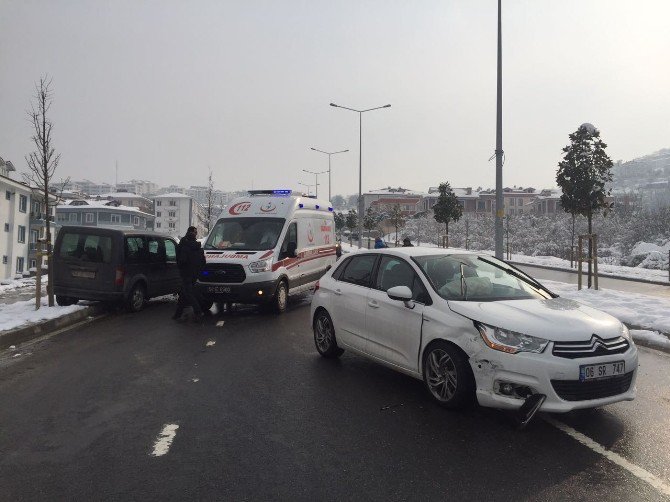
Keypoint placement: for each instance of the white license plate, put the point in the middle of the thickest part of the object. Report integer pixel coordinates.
(84, 274)
(218, 289)
(603, 370)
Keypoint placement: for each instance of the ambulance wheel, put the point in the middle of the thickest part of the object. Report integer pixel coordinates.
(280, 300)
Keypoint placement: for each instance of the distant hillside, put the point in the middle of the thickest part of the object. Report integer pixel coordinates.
(642, 171)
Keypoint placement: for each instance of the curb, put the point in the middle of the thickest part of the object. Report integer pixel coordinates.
(27, 333)
(600, 274)
(650, 343)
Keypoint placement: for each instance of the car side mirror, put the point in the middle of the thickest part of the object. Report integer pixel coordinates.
(291, 248)
(400, 293)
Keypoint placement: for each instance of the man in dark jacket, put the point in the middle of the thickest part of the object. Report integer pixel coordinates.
(190, 260)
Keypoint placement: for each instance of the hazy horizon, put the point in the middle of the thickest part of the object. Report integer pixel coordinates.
(170, 89)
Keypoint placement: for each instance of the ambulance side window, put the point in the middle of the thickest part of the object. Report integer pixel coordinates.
(290, 243)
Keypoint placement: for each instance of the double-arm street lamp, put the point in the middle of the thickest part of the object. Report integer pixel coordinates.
(329, 155)
(316, 180)
(307, 185)
(360, 165)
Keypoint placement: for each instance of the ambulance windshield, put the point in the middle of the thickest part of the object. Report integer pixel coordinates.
(245, 234)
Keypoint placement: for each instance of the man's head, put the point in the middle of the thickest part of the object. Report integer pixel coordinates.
(192, 232)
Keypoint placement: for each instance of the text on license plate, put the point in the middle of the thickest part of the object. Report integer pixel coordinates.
(218, 289)
(603, 370)
(85, 274)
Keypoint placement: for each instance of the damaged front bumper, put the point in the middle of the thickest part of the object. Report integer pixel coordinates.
(505, 381)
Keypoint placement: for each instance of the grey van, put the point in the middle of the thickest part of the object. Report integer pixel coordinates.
(121, 266)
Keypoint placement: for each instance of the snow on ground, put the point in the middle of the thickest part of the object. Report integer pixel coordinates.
(641, 311)
(14, 284)
(639, 273)
(20, 313)
(651, 338)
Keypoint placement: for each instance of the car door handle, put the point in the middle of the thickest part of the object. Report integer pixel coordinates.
(337, 291)
(373, 304)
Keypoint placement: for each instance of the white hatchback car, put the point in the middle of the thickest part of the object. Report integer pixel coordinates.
(469, 326)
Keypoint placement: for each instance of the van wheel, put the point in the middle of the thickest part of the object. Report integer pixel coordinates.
(448, 376)
(136, 298)
(206, 304)
(64, 301)
(280, 299)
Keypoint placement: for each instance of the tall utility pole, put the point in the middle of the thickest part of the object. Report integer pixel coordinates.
(361, 208)
(500, 207)
(329, 155)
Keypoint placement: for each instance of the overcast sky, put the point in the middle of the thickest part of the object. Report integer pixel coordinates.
(170, 88)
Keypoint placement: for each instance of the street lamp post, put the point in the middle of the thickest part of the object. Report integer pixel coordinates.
(500, 207)
(329, 155)
(360, 165)
(306, 185)
(316, 179)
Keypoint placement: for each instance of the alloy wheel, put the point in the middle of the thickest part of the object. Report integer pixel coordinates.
(324, 333)
(441, 375)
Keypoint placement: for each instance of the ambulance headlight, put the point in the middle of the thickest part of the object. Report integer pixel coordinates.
(261, 266)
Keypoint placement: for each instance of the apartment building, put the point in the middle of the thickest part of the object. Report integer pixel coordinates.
(15, 221)
(129, 199)
(175, 212)
(103, 213)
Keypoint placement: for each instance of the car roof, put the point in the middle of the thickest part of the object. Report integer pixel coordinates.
(417, 251)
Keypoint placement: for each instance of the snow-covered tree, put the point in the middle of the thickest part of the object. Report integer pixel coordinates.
(351, 222)
(583, 175)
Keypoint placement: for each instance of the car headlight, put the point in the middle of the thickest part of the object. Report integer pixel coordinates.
(261, 266)
(625, 333)
(510, 341)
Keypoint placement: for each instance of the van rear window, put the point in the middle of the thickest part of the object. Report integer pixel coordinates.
(86, 247)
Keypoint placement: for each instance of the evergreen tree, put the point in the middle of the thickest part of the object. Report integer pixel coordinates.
(371, 221)
(340, 222)
(351, 222)
(583, 175)
(447, 208)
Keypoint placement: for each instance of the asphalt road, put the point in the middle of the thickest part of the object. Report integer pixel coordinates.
(261, 416)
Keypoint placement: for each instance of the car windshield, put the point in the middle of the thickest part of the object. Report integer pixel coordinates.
(245, 234)
(469, 277)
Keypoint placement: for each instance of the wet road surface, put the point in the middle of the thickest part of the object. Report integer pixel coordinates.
(136, 406)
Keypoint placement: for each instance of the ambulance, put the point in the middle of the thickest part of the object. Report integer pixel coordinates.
(267, 246)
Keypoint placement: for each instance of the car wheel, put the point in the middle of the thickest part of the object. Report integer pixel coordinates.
(324, 336)
(447, 375)
(64, 301)
(136, 298)
(281, 298)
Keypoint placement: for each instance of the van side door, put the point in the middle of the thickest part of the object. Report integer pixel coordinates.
(157, 265)
(288, 254)
(171, 270)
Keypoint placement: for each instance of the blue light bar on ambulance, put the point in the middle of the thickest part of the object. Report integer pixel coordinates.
(270, 192)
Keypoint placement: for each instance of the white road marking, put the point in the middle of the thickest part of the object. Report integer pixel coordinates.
(210, 343)
(220, 323)
(635, 470)
(162, 444)
(195, 380)
(17, 354)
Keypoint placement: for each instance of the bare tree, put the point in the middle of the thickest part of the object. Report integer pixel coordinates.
(43, 161)
(209, 202)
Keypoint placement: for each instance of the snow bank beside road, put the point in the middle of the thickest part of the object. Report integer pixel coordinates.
(14, 284)
(21, 313)
(642, 311)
